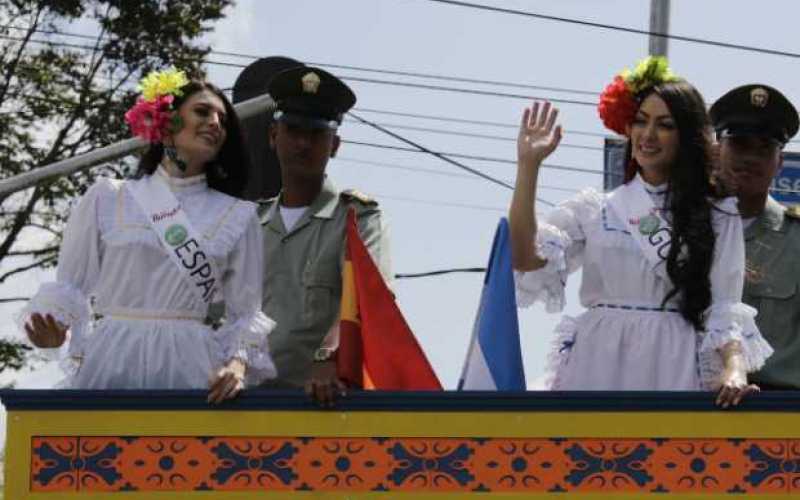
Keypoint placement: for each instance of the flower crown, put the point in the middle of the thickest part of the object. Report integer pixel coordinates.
(151, 117)
(618, 104)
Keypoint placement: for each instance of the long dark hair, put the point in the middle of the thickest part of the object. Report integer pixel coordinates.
(228, 172)
(688, 200)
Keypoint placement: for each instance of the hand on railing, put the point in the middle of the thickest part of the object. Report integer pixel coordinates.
(227, 383)
(733, 380)
(324, 385)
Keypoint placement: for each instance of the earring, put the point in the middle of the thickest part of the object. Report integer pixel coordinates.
(172, 154)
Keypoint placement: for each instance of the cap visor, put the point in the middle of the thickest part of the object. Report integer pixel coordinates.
(307, 122)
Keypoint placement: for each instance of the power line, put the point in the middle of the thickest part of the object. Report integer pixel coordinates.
(441, 272)
(423, 86)
(473, 157)
(442, 157)
(414, 74)
(352, 78)
(446, 78)
(441, 203)
(464, 121)
(473, 135)
(467, 91)
(625, 29)
(439, 172)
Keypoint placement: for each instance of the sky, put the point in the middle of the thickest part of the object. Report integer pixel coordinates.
(441, 217)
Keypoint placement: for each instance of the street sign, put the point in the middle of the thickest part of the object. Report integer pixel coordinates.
(786, 185)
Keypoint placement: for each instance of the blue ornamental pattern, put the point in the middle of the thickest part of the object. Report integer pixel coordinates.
(598, 466)
(433, 464)
(272, 463)
(467, 465)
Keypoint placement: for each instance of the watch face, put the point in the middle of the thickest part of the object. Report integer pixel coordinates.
(323, 354)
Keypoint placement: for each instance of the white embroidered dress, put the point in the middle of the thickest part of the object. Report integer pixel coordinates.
(134, 321)
(625, 340)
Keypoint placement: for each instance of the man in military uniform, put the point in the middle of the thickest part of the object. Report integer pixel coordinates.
(304, 231)
(753, 123)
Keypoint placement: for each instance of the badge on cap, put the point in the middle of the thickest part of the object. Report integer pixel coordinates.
(311, 83)
(759, 97)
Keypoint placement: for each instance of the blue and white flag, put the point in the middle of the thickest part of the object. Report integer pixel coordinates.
(494, 358)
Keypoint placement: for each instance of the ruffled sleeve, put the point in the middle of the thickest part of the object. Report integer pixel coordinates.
(245, 331)
(728, 319)
(79, 259)
(560, 239)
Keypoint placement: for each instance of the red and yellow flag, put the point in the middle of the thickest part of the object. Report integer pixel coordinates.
(377, 349)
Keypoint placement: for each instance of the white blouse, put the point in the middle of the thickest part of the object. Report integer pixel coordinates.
(626, 340)
(134, 321)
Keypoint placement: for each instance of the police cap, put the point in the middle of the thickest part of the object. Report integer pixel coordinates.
(755, 109)
(310, 97)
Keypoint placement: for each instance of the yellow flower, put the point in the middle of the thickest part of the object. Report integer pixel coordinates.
(650, 71)
(159, 83)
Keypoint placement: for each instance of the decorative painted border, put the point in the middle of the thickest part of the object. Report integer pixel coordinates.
(415, 465)
(427, 446)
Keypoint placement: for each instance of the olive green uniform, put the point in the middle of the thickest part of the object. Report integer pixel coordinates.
(772, 246)
(303, 274)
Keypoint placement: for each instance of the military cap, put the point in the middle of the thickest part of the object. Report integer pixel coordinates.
(755, 109)
(310, 97)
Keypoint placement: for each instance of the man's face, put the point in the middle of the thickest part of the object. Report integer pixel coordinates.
(303, 153)
(748, 164)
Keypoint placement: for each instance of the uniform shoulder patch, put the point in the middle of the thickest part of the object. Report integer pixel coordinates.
(356, 195)
(793, 211)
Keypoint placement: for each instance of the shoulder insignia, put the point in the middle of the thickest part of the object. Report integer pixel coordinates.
(356, 195)
(793, 211)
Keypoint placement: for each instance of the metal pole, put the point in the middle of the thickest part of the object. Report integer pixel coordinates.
(659, 23)
(245, 109)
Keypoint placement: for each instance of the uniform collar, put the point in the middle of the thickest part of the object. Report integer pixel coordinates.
(322, 207)
(326, 202)
(770, 219)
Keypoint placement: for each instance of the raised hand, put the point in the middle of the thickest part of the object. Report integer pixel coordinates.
(538, 135)
(45, 331)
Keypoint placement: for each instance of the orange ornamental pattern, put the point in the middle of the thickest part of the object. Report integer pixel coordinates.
(577, 466)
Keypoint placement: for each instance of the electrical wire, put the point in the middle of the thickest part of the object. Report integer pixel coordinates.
(437, 172)
(474, 135)
(441, 272)
(464, 121)
(625, 29)
(472, 157)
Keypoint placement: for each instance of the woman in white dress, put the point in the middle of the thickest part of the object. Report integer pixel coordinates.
(131, 313)
(662, 258)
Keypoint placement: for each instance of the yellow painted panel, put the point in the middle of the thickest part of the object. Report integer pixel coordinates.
(408, 424)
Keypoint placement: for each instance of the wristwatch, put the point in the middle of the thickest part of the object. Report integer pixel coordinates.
(324, 354)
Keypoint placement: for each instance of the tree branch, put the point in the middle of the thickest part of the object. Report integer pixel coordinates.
(19, 223)
(12, 66)
(22, 269)
(40, 251)
(14, 299)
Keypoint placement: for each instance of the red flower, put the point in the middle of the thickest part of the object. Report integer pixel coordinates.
(150, 120)
(617, 107)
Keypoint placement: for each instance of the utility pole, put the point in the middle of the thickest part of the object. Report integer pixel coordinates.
(659, 23)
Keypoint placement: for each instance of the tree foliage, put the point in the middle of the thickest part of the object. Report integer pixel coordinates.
(68, 71)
